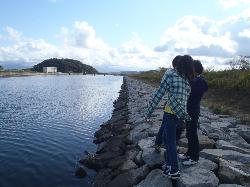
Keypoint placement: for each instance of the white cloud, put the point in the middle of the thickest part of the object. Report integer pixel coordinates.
(245, 33)
(212, 41)
(201, 36)
(233, 3)
(13, 34)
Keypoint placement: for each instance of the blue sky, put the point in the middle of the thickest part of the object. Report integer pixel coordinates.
(126, 35)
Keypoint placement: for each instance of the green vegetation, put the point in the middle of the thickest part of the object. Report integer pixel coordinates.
(1, 67)
(229, 90)
(229, 80)
(65, 66)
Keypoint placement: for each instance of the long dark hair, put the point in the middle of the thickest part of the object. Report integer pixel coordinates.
(185, 67)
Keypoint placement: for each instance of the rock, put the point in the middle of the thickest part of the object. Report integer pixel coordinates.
(203, 120)
(155, 179)
(205, 142)
(213, 132)
(99, 161)
(138, 159)
(244, 132)
(116, 162)
(183, 142)
(215, 154)
(127, 165)
(103, 138)
(221, 144)
(202, 164)
(100, 147)
(236, 139)
(80, 172)
(198, 177)
(130, 178)
(234, 172)
(181, 150)
(230, 185)
(102, 178)
(146, 143)
(221, 125)
(138, 132)
(153, 131)
(132, 153)
(229, 119)
(152, 158)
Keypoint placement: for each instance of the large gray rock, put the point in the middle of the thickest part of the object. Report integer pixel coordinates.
(127, 165)
(204, 142)
(152, 158)
(215, 154)
(236, 139)
(197, 177)
(202, 164)
(102, 178)
(155, 179)
(213, 132)
(153, 131)
(234, 172)
(139, 132)
(244, 132)
(138, 159)
(230, 185)
(130, 178)
(221, 144)
(221, 125)
(146, 143)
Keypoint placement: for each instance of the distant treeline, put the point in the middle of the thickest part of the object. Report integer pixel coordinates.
(65, 66)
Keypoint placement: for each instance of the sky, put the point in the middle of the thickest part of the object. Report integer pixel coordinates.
(123, 35)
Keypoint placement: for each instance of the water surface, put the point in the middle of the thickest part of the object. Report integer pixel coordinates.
(46, 123)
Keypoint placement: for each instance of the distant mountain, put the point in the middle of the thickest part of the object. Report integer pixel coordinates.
(65, 66)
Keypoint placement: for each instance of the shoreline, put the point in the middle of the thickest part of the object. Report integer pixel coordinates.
(125, 156)
(6, 74)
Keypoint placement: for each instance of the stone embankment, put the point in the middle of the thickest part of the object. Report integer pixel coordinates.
(125, 155)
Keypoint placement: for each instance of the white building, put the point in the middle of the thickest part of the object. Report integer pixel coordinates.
(49, 69)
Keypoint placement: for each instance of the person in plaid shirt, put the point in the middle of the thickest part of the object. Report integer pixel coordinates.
(175, 84)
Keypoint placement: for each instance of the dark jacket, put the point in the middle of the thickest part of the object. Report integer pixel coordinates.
(198, 88)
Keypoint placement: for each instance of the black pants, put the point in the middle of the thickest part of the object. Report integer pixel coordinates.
(192, 136)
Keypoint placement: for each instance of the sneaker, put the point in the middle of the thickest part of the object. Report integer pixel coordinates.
(166, 168)
(157, 148)
(175, 175)
(183, 156)
(189, 162)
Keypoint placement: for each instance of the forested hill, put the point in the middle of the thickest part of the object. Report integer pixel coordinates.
(65, 66)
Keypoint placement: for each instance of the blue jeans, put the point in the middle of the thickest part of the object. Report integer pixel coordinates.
(170, 122)
(179, 129)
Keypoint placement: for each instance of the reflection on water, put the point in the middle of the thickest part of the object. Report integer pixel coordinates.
(46, 122)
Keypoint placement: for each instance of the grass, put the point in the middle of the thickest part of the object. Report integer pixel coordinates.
(229, 91)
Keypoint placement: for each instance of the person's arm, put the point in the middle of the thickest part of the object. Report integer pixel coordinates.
(157, 96)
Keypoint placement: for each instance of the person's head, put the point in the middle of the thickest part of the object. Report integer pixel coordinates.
(198, 68)
(176, 60)
(185, 67)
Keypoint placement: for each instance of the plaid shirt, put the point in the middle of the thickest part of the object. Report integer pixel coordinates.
(177, 90)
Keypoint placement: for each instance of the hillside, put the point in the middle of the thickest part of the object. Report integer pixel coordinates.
(65, 66)
(229, 90)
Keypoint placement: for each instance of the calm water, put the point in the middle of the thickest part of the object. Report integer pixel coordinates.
(46, 123)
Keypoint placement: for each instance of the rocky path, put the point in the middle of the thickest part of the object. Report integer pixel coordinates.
(125, 156)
